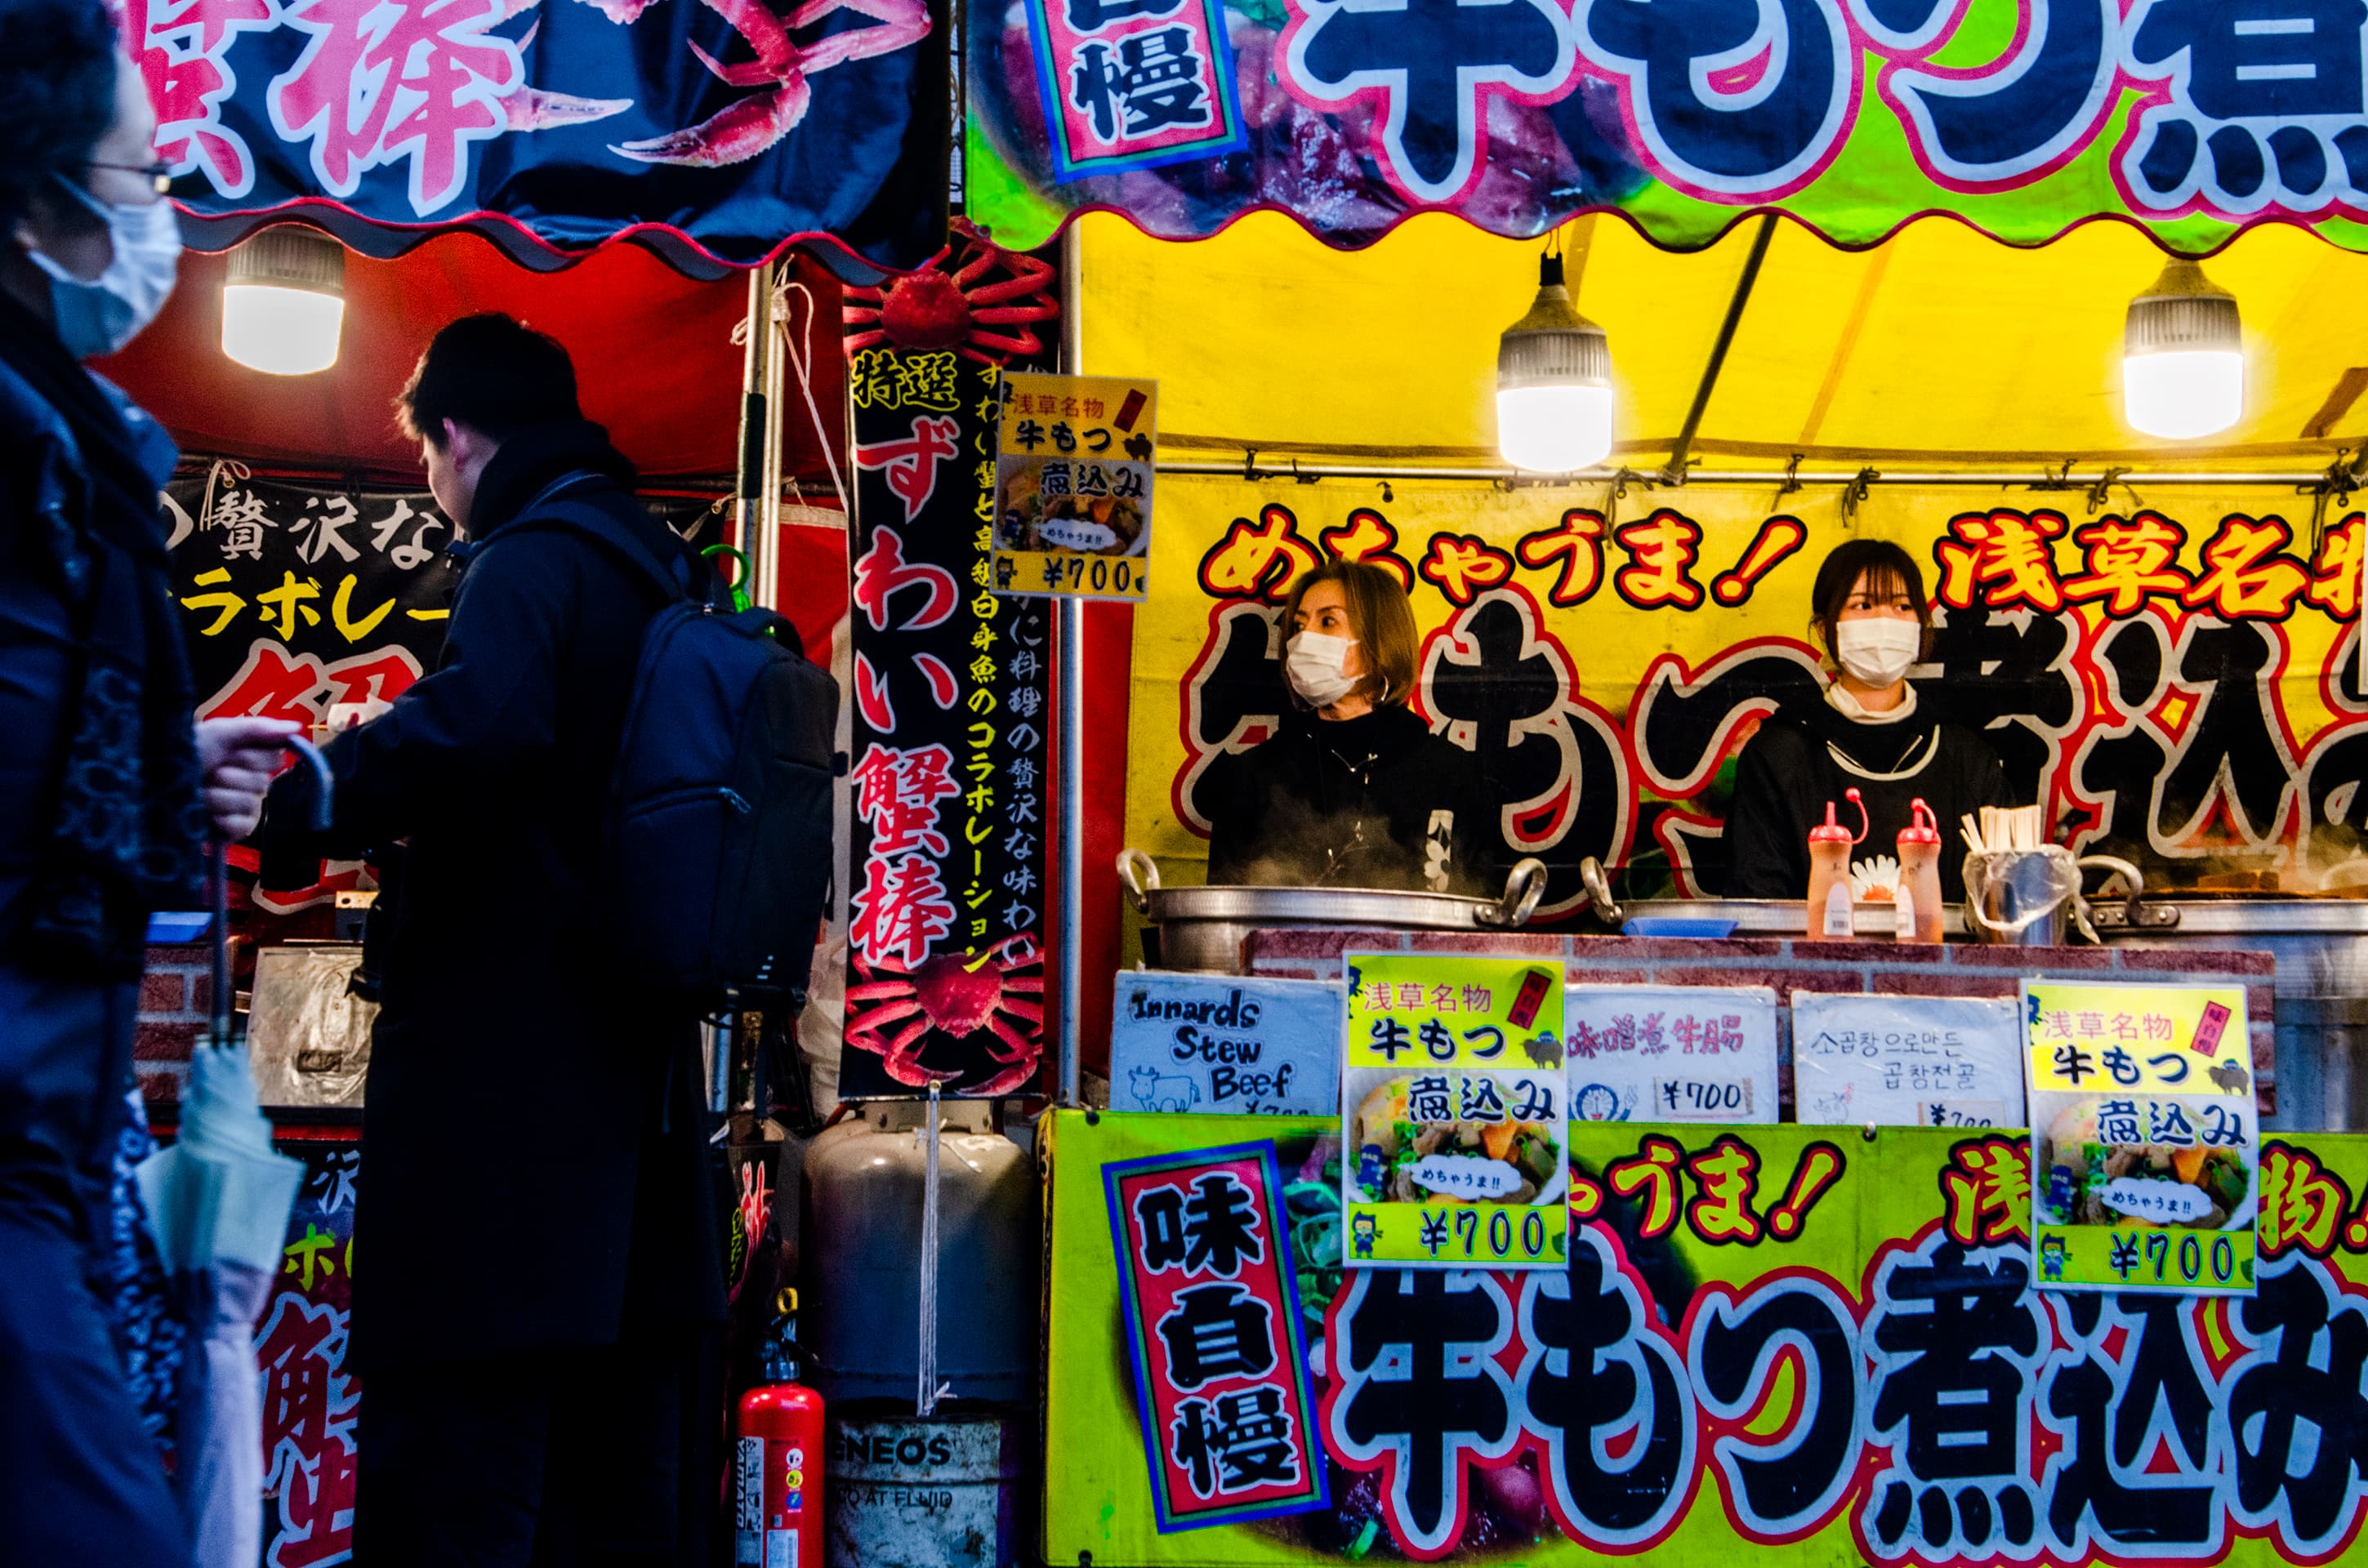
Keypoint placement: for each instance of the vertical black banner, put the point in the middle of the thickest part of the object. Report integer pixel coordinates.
(951, 753)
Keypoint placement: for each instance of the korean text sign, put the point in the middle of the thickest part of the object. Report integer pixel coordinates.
(2144, 1138)
(1222, 1043)
(1804, 1346)
(1213, 1330)
(1453, 1113)
(1907, 1061)
(1073, 483)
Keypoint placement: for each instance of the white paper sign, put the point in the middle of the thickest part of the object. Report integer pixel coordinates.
(1907, 1061)
(1211, 1044)
(1671, 1052)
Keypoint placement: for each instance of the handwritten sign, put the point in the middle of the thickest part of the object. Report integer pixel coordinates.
(1907, 1061)
(1672, 1053)
(1453, 1114)
(1214, 1044)
(2145, 1140)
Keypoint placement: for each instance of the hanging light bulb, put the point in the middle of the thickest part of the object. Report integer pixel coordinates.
(2183, 357)
(1553, 383)
(284, 302)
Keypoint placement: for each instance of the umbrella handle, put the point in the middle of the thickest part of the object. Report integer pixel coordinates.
(218, 886)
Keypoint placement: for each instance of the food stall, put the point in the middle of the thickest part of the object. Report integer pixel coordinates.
(1796, 1286)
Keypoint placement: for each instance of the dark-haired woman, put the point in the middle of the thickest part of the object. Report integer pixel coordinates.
(1354, 790)
(1867, 732)
(106, 789)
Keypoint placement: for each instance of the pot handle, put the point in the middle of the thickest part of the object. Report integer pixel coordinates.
(2135, 913)
(1524, 885)
(1599, 890)
(1140, 876)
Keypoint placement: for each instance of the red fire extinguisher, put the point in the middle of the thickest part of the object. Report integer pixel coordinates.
(779, 1497)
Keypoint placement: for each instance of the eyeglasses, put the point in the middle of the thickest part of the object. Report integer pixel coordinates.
(159, 174)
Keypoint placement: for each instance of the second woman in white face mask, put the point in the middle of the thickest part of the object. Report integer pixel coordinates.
(1867, 731)
(1354, 790)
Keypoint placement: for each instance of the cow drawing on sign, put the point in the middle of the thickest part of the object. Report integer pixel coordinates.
(1155, 1090)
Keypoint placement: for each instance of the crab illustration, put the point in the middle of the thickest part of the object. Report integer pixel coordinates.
(959, 994)
(950, 303)
(746, 127)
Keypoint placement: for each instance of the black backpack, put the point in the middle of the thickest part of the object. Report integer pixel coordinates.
(718, 829)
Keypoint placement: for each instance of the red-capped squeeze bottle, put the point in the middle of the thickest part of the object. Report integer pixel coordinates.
(778, 1498)
(1917, 902)
(1829, 902)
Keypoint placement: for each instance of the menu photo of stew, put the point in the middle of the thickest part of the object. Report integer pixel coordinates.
(1455, 1114)
(2143, 1137)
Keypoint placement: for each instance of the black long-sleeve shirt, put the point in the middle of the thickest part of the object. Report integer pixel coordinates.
(1807, 754)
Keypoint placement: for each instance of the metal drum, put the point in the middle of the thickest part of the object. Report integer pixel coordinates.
(944, 1492)
(1201, 928)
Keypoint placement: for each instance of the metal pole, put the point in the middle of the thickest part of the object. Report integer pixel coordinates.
(766, 563)
(1069, 674)
(2046, 479)
(749, 486)
(1675, 471)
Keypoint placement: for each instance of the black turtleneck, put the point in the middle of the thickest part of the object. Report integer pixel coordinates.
(1375, 802)
(1808, 753)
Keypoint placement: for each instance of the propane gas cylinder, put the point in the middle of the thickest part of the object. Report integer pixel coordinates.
(778, 1502)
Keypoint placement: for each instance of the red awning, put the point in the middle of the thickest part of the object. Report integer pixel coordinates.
(654, 358)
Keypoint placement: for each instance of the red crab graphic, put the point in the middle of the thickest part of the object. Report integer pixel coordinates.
(934, 308)
(959, 993)
(746, 127)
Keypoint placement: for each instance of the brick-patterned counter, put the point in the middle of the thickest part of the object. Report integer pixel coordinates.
(175, 997)
(1786, 964)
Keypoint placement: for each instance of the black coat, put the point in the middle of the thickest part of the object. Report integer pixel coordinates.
(533, 1136)
(1807, 754)
(1374, 801)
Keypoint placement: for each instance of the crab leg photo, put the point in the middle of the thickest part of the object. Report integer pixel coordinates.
(749, 126)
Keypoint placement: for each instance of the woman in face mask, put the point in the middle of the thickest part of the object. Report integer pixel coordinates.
(1354, 790)
(106, 790)
(1867, 732)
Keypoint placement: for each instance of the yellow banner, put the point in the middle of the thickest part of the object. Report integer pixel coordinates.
(2171, 675)
(1808, 1344)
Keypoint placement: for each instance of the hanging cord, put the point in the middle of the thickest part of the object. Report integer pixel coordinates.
(2102, 492)
(1854, 495)
(801, 358)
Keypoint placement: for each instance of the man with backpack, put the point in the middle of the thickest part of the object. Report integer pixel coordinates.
(537, 1271)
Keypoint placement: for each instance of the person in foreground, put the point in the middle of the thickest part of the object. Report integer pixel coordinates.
(1869, 731)
(108, 790)
(1354, 790)
(530, 1326)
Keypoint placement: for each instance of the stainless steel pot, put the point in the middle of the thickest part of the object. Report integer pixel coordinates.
(1201, 928)
(2321, 949)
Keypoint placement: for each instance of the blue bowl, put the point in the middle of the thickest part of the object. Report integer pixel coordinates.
(1677, 926)
(167, 928)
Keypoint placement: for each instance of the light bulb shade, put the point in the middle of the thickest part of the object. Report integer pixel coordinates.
(1553, 383)
(283, 303)
(281, 332)
(2183, 358)
(1554, 429)
(2183, 395)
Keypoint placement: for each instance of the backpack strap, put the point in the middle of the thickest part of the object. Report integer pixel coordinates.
(667, 582)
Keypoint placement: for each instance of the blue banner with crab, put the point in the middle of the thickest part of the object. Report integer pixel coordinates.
(715, 131)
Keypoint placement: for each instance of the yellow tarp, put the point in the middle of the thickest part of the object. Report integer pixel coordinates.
(1939, 347)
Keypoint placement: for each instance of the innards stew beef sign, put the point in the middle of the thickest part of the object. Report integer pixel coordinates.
(1804, 1343)
(951, 754)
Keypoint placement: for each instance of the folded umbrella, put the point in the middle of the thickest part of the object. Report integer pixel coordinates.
(218, 1202)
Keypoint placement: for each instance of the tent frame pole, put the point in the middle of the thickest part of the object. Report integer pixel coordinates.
(748, 490)
(1675, 471)
(1070, 675)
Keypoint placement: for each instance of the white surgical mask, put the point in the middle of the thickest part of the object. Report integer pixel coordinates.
(1878, 650)
(1312, 662)
(101, 315)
